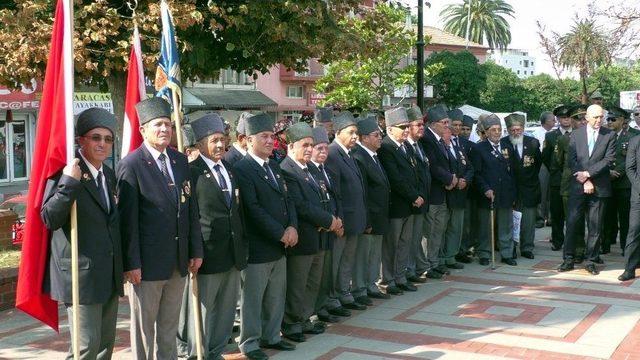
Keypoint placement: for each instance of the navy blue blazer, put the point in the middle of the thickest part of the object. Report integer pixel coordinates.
(233, 155)
(462, 167)
(333, 205)
(598, 164)
(423, 169)
(268, 209)
(348, 184)
(377, 190)
(441, 173)
(526, 169)
(159, 234)
(494, 171)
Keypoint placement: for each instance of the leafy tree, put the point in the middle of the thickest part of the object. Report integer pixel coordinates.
(459, 80)
(487, 21)
(364, 77)
(542, 93)
(504, 91)
(612, 80)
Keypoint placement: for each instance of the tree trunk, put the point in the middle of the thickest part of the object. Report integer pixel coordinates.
(585, 97)
(117, 83)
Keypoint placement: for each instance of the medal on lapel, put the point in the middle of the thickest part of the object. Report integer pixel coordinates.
(85, 177)
(505, 153)
(527, 161)
(237, 193)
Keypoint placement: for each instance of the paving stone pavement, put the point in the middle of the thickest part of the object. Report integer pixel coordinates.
(524, 312)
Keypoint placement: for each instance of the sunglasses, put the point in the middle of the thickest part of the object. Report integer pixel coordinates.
(108, 139)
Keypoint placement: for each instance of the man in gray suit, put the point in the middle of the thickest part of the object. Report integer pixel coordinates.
(91, 184)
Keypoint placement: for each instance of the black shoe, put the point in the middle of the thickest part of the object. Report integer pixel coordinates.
(527, 254)
(407, 287)
(256, 355)
(548, 222)
(591, 268)
(315, 329)
(627, 275)
(394, 290)
(578, 260)
(442, 269)
(464, 258)
(417, 279)
(297, 337)
(378, 295)
(354, 306)
(556, 247)
(364, 300)
(483, 261)
(598, 260)
(329, 318)
(509, 261)
(567, 265)
(433, 274)
(282, 345)
(339, 311)
(539, 224)
(456, 266)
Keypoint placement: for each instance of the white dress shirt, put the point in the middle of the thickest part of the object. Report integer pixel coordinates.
(94, 174)
(210, 163)
(156, 154)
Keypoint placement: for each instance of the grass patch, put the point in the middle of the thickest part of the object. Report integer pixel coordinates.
(9, 258)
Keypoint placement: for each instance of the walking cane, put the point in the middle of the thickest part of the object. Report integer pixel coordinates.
(493, 233)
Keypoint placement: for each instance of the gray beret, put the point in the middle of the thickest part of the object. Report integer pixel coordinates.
(242, 121)
(396, 116)
(514, 119)
(188, 139)
(414, 113)
(467, 121)
(258, 123)
(320, 135)
(367, 125)
(323, 114)
(455, 114)
(490, 120)
(436, 113)
(298, 131)
(95, 118)
(343, 120)
(152, 108)
(207, 125)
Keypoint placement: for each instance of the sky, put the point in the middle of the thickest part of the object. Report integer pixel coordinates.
(556, 15)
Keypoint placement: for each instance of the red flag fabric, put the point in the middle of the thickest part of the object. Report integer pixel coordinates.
(131, 137)
(54, 139)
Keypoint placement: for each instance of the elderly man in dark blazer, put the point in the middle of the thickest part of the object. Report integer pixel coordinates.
(238, 149)
(216, 190)
(91, 184)
(496, 187)
(406, 198)
(592, 151)
(526, 162)
(368, 252)
(160, 230)
(270, 228)
(349, 186)
(632, 248)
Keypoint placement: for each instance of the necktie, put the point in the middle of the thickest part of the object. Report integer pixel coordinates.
(452, 151)
(444, 148)
(592, 141)
(272, 179)
(167, 177)
(455, 141)
(404, 149)
(223, 184)
(103, 197)
(417, 148)
(324, 174)
(497, 149)
(307, 173)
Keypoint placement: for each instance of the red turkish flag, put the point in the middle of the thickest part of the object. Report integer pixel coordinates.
(53, 149)
(136, 91)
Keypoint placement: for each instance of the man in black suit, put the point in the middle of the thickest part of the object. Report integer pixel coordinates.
(238, 149)
(270, 228)
(303, 279)
(632, 248)
(91, 184)
(526, 162)
(405, 199)
(469, 236)
(443, 179)
(495, 181)
(369, 249)
(350, 188)
(216, 190)
(160, 230)
(591, 155)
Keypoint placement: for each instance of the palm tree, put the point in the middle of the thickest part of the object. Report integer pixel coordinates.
(584, 48)
(486, 19)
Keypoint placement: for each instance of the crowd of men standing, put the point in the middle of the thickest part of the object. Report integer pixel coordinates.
(351, 212)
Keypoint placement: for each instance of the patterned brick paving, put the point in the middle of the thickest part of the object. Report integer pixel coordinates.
(524, 312)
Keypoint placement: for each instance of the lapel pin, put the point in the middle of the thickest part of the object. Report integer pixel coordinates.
(85, 176)
(148, 162)
(173, 161)
(266, 177)
(208, 175)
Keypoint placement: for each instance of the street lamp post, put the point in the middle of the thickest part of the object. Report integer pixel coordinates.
(420, 59)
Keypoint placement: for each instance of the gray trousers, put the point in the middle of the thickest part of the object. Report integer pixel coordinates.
(344, 253)
(452, 236)
(155, 310)
(395, 251)
(417, 259)
(503, 231)
(542, 211)
(264, 288)
(324, 301)
(97, 329)
(436, 224)
(303, 284)
(528, 228)
(218, 295)
(366, 268)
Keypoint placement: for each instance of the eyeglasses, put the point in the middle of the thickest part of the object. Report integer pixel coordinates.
(108, 139)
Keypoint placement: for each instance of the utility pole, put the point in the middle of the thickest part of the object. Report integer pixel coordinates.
(468, 24)
(420, 59)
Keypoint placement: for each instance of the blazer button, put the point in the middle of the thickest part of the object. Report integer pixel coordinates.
(177, 238)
